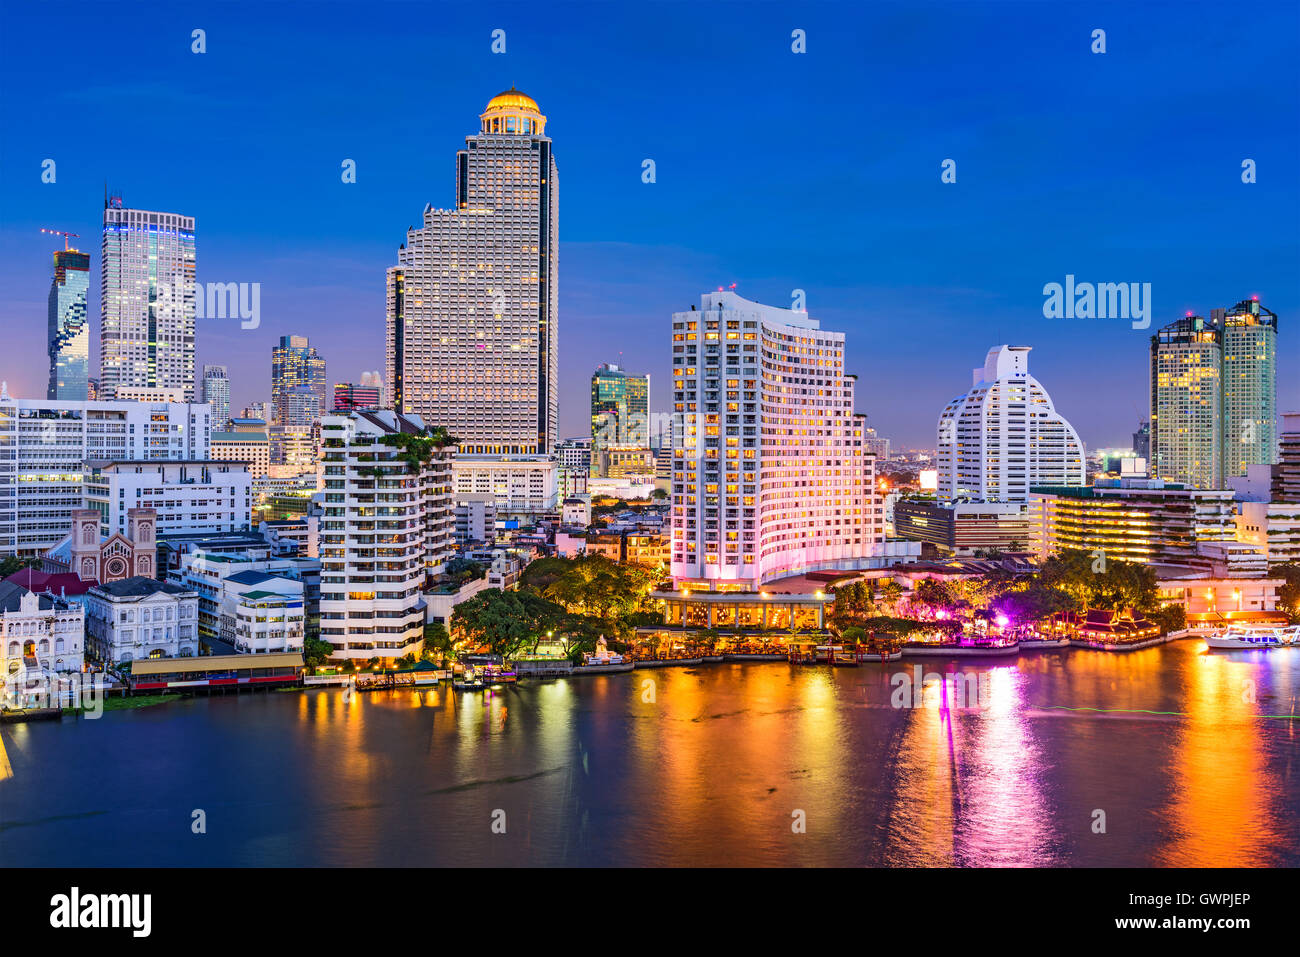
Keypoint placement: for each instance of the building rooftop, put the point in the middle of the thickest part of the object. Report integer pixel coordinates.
(137, 586)
(65, 583)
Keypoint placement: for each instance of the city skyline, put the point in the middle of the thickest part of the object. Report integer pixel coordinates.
(966, 262)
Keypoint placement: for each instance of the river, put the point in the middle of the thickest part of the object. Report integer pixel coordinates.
(1187, 760)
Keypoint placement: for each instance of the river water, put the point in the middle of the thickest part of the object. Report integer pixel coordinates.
(1188, 760)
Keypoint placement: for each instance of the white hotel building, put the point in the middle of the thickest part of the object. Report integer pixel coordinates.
(45, 443)
(384, 529)
(1005, 435)
(770, 477)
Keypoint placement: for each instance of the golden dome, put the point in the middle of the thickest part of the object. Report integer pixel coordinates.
(511, 101)
(514, 113)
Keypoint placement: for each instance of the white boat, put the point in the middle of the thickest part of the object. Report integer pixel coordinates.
(1268, 637)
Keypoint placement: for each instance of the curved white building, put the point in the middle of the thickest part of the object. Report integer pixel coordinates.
(1005, 435)
(770, 476)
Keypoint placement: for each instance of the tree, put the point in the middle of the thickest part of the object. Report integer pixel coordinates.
(1170, 618)
(891, 593)
(659, 495)
(854, 602)
(437, 642)
(1288, 596)
(505, 622)
(1098, 582)
(1034, 602)
(316, 652)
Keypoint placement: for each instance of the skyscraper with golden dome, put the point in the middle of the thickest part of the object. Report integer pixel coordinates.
(472, 301)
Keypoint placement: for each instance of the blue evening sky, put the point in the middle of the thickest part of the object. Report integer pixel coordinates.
(775, 171)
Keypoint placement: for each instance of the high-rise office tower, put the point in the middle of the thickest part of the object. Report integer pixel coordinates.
(620, 414)
(472, 301)
(295, 434)
(1142, 441)
(1186, 403)
(216, 392)
(1214, 395)
(69, 327)
(295, 363)
(1249, 336)
(1005, 435)
(147, 301)
(769, 474)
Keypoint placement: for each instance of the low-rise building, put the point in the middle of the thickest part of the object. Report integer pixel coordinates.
(206, 495)
(141, 618)
(264, 619)
(39, 632)
(251, 447)
(216, 577)
(1273, 527)
(521, 484)
(1141, 520)
(476, 517)
(576, 510)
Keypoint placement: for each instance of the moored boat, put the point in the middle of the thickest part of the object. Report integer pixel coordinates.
(1255, 638)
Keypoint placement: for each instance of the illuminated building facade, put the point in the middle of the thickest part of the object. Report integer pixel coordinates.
(620, 420)
(384, 529)
(51, 439)
(1005, 435)
(473, 302)
(1132, 519)
(147, 301)
(349, 396)
(1214, 396)
(1249, 386)
(297, 366)
(69, 326)
(216, 393)
(769, 474)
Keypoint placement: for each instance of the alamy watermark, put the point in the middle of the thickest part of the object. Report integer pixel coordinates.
(1103, 300)
(84, 692)
(224, 300)
(951, 690)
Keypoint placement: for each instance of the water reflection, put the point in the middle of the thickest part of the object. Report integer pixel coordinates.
(705, 766)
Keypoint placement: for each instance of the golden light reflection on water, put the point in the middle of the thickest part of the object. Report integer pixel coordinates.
(1225, 798)
(707, 766)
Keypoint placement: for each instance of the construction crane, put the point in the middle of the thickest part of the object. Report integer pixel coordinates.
(59, 232)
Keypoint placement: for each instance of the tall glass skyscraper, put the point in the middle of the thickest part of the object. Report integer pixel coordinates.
(1214, 395)
(472, 301)
(295, 363)
(147, 301)
(620, 413)
(69, 328)
(1249, 386)
(216, 392)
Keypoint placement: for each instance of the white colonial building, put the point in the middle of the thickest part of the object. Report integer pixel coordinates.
(141, 618)
(39, 633)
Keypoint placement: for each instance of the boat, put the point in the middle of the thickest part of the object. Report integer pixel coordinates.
(468, 680)
(1258, 638)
